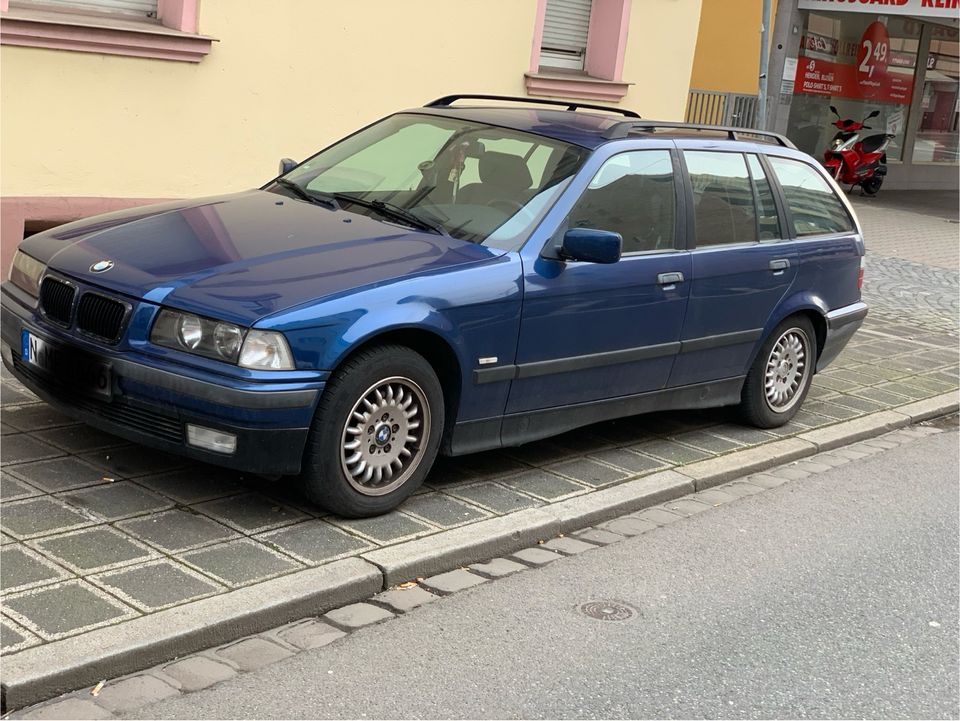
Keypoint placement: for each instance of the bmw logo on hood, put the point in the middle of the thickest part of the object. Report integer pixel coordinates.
(101, 266)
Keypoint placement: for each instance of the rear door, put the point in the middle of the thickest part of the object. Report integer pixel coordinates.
(743, 263)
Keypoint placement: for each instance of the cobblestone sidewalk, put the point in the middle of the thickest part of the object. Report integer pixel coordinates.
(96, 531)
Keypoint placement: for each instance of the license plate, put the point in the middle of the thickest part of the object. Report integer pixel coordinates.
(72, 368)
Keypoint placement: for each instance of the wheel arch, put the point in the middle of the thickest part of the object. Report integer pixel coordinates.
(804, 304)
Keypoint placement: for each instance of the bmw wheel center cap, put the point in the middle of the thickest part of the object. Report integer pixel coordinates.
(101, 266)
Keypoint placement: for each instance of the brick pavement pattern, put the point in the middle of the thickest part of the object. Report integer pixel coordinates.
(96, 531)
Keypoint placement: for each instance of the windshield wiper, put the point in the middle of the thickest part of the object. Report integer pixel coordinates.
(303, 194)
(391, 211)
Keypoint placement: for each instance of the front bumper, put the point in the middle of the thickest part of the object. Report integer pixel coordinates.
(842, 323)
(152, 405)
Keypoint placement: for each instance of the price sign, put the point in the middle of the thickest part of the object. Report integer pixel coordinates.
(872, 59)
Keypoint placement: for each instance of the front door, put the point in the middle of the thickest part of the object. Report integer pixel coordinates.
(742, 266)
(590, 331)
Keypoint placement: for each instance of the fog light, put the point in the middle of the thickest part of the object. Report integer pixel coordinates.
(216, 441)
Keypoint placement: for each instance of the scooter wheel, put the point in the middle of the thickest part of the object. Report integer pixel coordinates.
(871, 186)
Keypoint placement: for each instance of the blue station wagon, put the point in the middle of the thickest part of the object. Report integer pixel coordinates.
(450, 279)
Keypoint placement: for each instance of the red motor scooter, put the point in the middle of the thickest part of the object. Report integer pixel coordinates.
(854, 162)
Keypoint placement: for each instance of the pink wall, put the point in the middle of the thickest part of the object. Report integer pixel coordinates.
(607, 39)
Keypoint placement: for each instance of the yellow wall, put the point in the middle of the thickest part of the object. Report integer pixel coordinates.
(286, 78)
(728, 47)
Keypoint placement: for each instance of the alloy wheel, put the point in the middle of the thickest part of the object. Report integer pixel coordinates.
(786, 370)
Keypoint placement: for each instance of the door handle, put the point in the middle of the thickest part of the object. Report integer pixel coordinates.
(669, 278)
(779, 264)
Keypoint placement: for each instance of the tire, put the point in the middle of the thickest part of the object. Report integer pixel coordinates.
(871, 186)
(793, 343)
(389, 399)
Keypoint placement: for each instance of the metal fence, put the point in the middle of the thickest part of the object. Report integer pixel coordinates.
(710, 107)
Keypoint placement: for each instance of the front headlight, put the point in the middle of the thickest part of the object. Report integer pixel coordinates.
(267, 350)
(194, 334)
(25, 273)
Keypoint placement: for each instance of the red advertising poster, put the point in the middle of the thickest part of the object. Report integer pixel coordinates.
(869, 78)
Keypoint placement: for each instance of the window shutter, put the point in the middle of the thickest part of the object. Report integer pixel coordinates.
(143, 8)
(565, 27)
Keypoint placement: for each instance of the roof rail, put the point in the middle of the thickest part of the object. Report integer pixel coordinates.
(621, 130)
(448, 100)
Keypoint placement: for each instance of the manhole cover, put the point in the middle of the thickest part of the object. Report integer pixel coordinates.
(607, 610)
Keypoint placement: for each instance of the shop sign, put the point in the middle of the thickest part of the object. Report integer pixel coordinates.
(823, 77)
(921, 8)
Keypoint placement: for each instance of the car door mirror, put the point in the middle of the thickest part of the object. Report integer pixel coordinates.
(286, 165)
(591, 245)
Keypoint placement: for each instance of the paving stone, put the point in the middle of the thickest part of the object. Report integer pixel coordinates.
(5, 539)
(442, 510)
(832, 410)
(497, 567)
(251, 513)
(133, 692)
(544, 485)
(495, 497)
(405, 599)
(131, 461)
(13, 489)
(707, 441)
(741, 489)
(253, 653)
(568, 546)
(357, 615)
(194, 484)
(764, 480)
(71, 708)
(239, 563)
(64, 609)
(626, 526)
(883, 443)
(23, 448)
(592, 473)
(176, 530)
(447, 472)
(792, 473)
(535, 556)
(600, 536)
(311, 634)
(39, 516)
(582, 441)
(743, 435)
(492, 464)
(657, 515)
(813, 467)
(453, 581)
(861, 404)
(686, 506)
(35, 417)
(80, 438)
(11, 396)
(14, 637)
(881, 396)
(540, 453)
(675, 453)
(388, 528)
(831, 459)
(22, 568)
(113, 501)
(59, 474)
(156, 585)
(314, 542)
(95, 549)
(630, 460)
(849, 454)
(198, 672)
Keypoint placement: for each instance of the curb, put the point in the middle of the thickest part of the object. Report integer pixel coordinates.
(40, 673)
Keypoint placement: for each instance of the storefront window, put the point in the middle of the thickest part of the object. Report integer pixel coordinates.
(857, 62)
(936, 140)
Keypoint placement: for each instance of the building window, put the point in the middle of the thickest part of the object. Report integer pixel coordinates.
(161, 29)
(578, 49)
(566, 25)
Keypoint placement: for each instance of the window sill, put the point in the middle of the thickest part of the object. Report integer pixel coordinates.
(89, 34)
(575, 86)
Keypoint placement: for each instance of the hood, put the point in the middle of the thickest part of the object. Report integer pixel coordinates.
(245, 256)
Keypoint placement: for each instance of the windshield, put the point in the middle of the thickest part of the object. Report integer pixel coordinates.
(472, 181)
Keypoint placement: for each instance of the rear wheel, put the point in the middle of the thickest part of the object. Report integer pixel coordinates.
(375, 434)
(871, 186)
(780, 377)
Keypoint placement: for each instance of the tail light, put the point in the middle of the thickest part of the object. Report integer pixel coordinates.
(863, 264)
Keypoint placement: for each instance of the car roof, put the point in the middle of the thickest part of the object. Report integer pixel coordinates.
(589, 126)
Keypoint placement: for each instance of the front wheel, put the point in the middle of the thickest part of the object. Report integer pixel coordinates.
(375, 434)
(780, 377)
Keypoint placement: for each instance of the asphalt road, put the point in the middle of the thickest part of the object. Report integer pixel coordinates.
(832, 597)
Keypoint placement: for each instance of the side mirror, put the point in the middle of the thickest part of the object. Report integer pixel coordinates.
(286, 165)
(874, 114)
(834, 111)
(591, 246)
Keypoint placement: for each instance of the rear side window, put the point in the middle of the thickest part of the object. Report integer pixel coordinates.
(632, 194)
(723, 202)
(815, 208)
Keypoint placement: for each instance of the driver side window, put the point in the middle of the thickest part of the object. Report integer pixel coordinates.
(632, 194)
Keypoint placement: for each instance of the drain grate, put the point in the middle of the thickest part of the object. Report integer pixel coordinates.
(607, 610)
